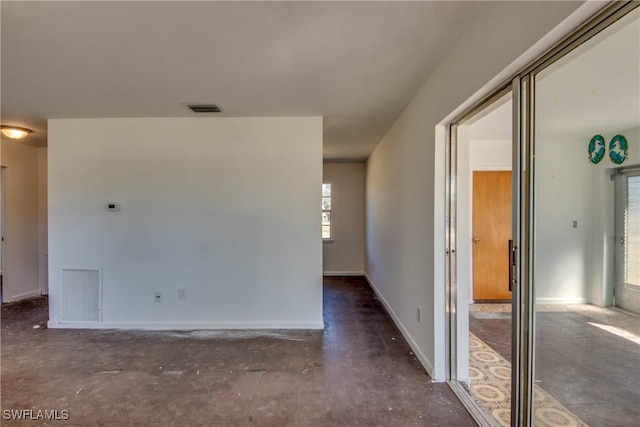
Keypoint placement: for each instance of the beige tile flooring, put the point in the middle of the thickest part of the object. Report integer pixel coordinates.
(490, 387)
(490, 373)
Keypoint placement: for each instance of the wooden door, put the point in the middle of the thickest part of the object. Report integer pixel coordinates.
(491, 235)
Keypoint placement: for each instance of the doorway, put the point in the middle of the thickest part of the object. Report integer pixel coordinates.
(584, 353)
(481, 213)
(576, 132)
(627, 240)
(491, 235)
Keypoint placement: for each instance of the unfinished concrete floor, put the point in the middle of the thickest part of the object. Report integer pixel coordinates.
(359, 371)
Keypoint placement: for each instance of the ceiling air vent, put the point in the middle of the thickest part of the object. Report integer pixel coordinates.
(204, 108)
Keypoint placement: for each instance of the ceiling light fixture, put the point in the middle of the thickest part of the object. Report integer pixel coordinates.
(14, 132)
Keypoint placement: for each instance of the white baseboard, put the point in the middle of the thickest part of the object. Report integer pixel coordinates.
(562, 301)
(24, 295)
(343, 273)
(426, 363)
(183, 326)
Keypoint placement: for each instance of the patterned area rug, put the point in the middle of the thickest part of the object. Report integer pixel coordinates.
(490, 387)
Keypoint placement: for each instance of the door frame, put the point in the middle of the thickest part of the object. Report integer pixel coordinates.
(621, 177)
(3, 231)
(524, 313)
(522, 88)
(459, 293)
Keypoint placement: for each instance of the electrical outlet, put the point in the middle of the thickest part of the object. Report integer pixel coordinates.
(158, 297)
(182, 294)
(419, 314)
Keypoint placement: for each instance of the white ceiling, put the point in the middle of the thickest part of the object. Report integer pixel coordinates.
(357, 64)
(595, 89)
(494, 123)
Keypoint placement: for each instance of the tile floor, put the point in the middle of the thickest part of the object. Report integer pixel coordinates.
(592, 372)
(490, 378)
(359, 371)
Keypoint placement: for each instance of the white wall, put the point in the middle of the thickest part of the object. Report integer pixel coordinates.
(227, 209)
(575, 100)
(405, 179)
(344, 255)
(576, 264)
(490, 154)
(562, 253)
(42, 220)
(20, 274)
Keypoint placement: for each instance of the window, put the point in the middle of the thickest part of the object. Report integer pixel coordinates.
(326, 211)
